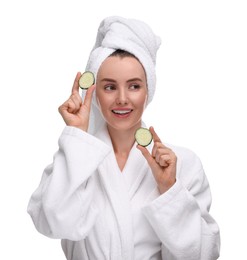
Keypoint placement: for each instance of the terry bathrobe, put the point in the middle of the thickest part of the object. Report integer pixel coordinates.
(102, 213)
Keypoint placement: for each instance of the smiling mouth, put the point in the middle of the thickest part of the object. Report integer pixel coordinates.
(122, 112)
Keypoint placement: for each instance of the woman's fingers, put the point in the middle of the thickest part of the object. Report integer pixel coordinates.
(154, 134)
(164, 156)
(161, 154)
(154, 165)
(74, 103)
(77, 100)
(162, 162)
(89, 96)
(147, 155)
(75, 88)
(74, 111)
(73, 106)
(156, 140)
(161, 150)
(75, 95)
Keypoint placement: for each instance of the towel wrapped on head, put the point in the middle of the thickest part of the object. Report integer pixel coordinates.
(130, 35)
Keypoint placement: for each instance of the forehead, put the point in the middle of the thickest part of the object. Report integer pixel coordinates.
(121, 66)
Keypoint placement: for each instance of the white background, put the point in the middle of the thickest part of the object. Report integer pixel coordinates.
(200, 101)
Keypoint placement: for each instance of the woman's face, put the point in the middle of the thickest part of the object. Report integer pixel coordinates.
(122, 92)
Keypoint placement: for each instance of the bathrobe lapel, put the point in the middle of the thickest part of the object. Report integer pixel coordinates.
(134, 171)
(115, 188)
(121, 187)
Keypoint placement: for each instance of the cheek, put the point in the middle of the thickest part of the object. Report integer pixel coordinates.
(99, 99)
(102, 101)
(141, 101)
(145, 101)
(102, 107)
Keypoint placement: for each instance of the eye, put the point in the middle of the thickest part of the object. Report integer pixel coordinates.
(109, 87)
(134, 86)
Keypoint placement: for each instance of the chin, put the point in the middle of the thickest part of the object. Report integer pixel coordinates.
(124, 126)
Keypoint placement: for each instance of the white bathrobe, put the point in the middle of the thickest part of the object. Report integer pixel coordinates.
(102, 213)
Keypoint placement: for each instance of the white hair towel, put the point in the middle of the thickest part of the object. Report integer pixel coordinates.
(131, 35)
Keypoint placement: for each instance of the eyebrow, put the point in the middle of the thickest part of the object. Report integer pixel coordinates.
(108, 79)
(134, 79)
(129, 80)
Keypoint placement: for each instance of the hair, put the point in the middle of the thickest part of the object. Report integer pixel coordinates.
(122, 54)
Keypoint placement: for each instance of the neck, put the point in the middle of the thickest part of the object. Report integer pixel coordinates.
(122, 141)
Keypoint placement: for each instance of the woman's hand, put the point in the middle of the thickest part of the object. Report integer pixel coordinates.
(162, 162)
(74, 111)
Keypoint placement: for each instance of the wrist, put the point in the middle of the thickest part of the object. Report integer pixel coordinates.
(164, 187)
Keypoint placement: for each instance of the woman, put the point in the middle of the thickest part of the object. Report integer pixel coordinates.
(105, 196)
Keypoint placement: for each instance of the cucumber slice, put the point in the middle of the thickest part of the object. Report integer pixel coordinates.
(143, 136)
(86, 80)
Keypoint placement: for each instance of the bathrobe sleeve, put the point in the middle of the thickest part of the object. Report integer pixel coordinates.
(63, 205)
(180, 217)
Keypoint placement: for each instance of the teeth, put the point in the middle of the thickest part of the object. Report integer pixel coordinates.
(121, 112)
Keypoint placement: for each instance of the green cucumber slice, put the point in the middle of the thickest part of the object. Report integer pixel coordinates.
(143, 136)
(86, 80)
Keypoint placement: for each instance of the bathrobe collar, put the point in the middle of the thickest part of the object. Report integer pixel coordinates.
(136, 165)
(120, 188)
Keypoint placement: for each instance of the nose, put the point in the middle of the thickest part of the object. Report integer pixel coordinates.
(122, 98)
